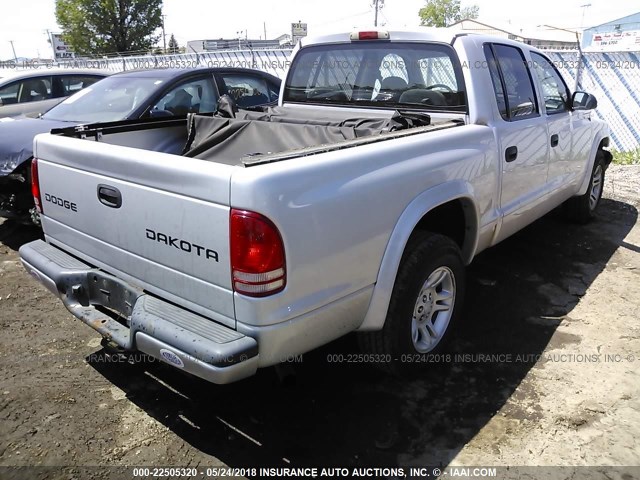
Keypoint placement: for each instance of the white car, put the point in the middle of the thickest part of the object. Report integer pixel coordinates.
(37, 90)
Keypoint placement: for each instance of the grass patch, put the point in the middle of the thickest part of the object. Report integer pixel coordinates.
(632, 157)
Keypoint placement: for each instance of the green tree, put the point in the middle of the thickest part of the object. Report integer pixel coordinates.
(442, 13)
(94, 27)
(173, 45)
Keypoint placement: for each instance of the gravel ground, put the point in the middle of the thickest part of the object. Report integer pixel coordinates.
(549, 376)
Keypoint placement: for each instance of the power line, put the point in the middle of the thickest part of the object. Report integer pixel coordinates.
(385, 18)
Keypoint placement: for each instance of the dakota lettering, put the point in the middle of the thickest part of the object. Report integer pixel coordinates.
(180, 244)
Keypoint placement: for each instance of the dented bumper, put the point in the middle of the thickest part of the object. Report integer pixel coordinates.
(135, 320)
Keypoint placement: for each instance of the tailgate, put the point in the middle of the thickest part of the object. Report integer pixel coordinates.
(159, 221)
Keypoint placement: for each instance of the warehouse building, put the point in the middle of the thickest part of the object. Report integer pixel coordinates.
(620, 35)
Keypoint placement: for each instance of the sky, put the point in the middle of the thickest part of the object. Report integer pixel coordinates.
(26, 21)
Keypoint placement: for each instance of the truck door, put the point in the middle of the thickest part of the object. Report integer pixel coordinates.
(570, 135)
(522, 135)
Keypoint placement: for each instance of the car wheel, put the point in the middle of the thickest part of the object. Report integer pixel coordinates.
(425, 304)
(582, 209)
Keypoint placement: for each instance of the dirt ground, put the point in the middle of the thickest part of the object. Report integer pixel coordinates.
(549, 376)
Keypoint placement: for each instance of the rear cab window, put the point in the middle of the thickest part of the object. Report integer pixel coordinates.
(378, 74)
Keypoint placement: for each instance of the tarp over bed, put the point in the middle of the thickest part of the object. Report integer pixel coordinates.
(279, 130)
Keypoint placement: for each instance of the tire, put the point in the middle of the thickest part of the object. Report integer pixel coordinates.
(431, 264)
(582, 209)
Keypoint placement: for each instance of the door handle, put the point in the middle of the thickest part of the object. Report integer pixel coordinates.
(511, 154)
(554, 140)
(109, 196)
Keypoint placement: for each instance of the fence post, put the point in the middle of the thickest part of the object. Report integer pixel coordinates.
(580, 65)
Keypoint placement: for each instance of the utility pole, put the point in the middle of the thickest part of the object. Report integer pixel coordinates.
(377, 4)
(246, 38)
(164, 36)
(15, 57)
(265, 29)
(50, 42)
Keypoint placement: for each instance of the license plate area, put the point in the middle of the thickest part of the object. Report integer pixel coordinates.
(112, 294)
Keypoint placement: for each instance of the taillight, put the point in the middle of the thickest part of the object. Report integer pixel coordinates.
(257, 255)
(370, 35)
(35, 185)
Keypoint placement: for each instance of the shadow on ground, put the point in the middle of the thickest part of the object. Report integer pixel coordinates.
(14, 235)
(353, 415)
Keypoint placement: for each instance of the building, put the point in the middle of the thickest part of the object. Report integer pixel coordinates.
(544, 37)
(200, 46)
(621, 35)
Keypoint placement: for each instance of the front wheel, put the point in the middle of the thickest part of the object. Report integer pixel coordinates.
(425, 304)
(582, 209)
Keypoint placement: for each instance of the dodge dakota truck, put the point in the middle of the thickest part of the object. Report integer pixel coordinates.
(224, 243)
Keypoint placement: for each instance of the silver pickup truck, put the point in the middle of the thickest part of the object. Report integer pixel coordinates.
(225, 243)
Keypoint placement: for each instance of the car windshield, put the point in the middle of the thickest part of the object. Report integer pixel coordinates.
(378, 74)
(109, 100)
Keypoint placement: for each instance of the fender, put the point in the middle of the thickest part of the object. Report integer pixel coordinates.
(601, 135)
(415, 211)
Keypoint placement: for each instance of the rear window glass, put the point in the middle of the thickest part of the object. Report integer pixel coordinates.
(378, 74)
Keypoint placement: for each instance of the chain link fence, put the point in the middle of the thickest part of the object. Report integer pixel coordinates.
(614, 78)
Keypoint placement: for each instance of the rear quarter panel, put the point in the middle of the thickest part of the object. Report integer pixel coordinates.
(336, 211)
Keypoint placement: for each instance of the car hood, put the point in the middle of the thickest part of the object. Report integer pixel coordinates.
(16, 140)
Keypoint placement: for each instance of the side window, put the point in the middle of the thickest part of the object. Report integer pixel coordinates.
(274, 92)
(74, 83)
(9, 93)
(30, 90)
(554, 90)
(516, 87)
(193, 96)
(247, 91)
(497, 83)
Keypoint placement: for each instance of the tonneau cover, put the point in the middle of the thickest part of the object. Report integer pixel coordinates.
(277, 130)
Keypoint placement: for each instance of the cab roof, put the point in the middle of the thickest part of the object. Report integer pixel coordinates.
(428, 34)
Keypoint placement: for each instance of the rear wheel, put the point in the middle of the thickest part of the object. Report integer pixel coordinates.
(583, 208)
(425, 304)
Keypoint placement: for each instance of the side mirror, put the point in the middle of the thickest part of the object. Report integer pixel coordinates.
(1, 102)
(583, 101)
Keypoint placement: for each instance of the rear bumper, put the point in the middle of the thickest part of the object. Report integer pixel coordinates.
(137, 321)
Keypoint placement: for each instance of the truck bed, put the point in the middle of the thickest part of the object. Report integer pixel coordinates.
(253, 138)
